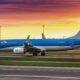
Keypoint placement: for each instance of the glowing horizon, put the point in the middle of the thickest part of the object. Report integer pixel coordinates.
(19, 18)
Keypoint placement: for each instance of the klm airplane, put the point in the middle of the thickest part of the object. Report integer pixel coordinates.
(41, 46)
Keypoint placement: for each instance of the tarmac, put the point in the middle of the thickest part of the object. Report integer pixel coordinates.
(39, 73)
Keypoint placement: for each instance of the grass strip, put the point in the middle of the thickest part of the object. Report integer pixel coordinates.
(40, 59)
(40, 63)
(74, 52)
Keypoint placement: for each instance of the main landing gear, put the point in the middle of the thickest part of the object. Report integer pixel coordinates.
(35, 53)
(43, 53)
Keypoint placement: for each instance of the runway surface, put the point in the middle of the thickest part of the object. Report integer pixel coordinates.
(38, 73)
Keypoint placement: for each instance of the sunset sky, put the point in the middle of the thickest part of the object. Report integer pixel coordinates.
(18, 18)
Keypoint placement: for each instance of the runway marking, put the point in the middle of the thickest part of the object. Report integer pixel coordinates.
(32, 68)
(42, 70)
(38, 67)
(33, 76)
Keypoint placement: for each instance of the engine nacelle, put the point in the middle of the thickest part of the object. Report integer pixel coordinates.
(18, 50)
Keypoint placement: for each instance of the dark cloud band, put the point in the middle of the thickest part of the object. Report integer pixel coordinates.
(38, 4)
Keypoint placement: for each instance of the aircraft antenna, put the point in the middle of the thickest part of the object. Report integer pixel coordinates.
(0, 32)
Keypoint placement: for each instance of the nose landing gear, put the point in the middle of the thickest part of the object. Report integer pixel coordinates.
(43, 53)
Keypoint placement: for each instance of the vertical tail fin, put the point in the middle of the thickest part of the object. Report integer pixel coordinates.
(76, 36)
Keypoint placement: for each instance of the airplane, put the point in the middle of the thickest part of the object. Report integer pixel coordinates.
(36, 46)
(43, 45)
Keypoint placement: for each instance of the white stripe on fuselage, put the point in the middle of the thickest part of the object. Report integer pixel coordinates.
(53, 47)
(45, 47)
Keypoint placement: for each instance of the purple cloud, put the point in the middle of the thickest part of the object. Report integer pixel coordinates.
(32, 5)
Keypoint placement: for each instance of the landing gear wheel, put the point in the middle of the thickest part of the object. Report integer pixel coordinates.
(35, 53)
(43, 53)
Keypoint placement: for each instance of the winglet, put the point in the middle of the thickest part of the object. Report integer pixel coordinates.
(43, 36)
(28, 37)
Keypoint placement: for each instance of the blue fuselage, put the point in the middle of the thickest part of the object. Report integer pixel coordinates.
(40, 42)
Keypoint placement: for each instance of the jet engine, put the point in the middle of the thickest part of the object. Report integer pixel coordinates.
(18, 50)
